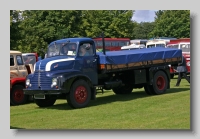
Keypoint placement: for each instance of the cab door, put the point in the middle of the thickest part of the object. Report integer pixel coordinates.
(89, 65)
(22, 71)
(17, 67)
(13, 68)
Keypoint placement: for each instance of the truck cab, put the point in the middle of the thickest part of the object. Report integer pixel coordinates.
(17, 67)
(18, 73)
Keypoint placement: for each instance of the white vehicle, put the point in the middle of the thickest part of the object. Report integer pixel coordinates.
(157, 43)
(183, 43)
(133, 46)
(139, 41)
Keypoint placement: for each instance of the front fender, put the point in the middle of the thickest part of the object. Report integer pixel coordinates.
(17, 80)
(66, 78)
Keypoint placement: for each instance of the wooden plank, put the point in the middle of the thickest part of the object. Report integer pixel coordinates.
(144, 63)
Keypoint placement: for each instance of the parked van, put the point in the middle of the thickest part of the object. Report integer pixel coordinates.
(133, 46)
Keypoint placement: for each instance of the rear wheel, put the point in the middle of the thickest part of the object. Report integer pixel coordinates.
(48, 101)
(127, 89)
(80, 94)
(160, 83)
(17, 96)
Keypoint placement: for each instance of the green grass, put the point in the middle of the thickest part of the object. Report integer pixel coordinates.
(109, 111)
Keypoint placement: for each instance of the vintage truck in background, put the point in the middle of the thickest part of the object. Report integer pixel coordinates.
(18, 73)
(75, 77)
(184, 45)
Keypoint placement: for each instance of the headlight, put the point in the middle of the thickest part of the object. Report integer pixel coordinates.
(27, 82)
(54, 82)
(188, 63)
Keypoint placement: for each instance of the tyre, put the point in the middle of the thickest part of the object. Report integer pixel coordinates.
(127, 89)
(17, 96)
(48, 101)
(160, 83)
(149, 89)
(80, 94)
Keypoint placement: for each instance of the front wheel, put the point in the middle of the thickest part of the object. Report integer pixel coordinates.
(80, 94)
(160, 83)
(17, 96)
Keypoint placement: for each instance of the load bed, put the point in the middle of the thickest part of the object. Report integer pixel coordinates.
(126, 59)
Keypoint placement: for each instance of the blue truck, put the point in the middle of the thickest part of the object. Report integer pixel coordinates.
(67, 73)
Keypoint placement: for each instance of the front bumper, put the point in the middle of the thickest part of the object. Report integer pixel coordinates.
(44, 92)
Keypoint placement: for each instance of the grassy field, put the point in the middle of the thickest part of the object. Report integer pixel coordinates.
(109, 111)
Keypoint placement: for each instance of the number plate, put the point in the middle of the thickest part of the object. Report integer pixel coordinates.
(39, 96)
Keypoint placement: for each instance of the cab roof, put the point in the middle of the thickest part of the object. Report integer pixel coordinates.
(72, 40)
(15, 52)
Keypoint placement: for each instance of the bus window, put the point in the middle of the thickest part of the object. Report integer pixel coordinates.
(99, 43)
(114, 43)
(122, 43)
(107, 43)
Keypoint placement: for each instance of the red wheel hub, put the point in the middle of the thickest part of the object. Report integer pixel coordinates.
(160, 82)
(18, 95)
(81, 94)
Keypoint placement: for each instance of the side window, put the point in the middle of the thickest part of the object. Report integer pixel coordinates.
(19, 60)
(11, 60)
(86, 49)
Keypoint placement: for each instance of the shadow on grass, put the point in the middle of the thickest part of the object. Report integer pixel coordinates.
(29, 102)
(12, 127)
(113, 98)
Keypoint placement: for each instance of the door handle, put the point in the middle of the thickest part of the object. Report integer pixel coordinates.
(94, 60)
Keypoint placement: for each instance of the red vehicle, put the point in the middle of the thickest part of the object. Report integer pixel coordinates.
(20, 66)
(184, 44)
(111, 44)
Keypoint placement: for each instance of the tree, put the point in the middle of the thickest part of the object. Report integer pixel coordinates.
(158, 14)
(15, 36)
(172, 23)
(114, 23)
(40, 27)
(142, 30)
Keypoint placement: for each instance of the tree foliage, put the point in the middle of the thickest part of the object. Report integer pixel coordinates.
(114, 23)
(15, 20)
(33, 30)
(172, 23)
(40, 27)
(142, 30)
